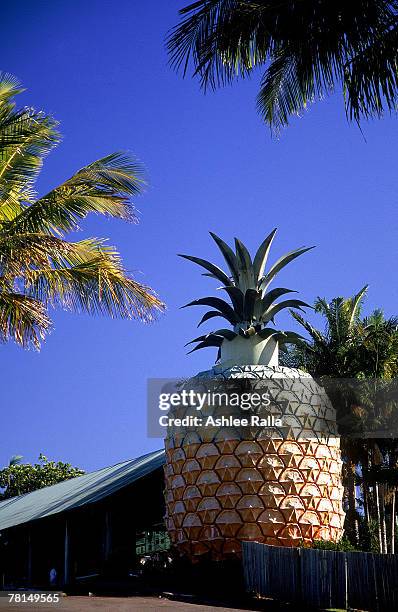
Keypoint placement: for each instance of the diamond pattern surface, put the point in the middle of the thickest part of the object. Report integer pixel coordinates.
(276, 489)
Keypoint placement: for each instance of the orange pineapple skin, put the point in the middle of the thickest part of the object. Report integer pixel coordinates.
(283, 490)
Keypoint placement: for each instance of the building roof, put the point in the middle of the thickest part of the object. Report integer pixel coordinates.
(78, 491)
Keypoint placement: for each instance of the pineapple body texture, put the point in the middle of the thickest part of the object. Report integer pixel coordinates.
(280, 487)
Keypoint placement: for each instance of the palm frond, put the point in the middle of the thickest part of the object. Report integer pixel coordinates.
(219, 37)
(23, 319)
(371, 77)
(280, 94)
(9, 87)
(104, 187)
(90, 278)
(315, 334)
(15, 460)
(22, 252)
(39, 269)
(356, 303)
(25, 139)
(307, 49)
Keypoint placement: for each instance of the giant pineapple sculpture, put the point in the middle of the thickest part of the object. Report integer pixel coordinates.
(276, 485)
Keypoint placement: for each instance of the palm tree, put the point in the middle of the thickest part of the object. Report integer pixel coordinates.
(379, 346)
(332, 352)
(39, 268)
(351, 347)
(308, 48)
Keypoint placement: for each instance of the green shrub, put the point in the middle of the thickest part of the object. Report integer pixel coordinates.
(343, 546)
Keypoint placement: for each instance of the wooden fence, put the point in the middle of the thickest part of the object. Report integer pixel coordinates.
(322, 578)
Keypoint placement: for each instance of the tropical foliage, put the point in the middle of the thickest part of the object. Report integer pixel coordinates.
(349, 346)
(332, 351)
(252, 305)
(309, 48)
(18, 478)
(39, 268)
(361, 353)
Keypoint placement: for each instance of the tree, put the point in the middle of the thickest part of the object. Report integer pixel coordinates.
(39, 268)
(366, 349)
(333, 351)
(378, 346)
(19, 478)
(308, 48)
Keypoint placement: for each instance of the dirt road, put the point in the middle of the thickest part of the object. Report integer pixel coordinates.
(105, 604)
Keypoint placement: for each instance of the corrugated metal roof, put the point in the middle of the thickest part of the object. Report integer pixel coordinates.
(76, 492)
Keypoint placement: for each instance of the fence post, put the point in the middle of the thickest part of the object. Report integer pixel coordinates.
(375, 583)
(298, 574)
(346, 580)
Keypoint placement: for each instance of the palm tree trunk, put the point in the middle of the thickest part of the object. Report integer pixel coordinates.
(378, 517)
(365, 501)
(385, 550)
(393, 524)
(351, 498)
(384, 531)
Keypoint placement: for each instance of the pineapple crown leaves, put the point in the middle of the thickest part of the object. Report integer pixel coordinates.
(252, 307)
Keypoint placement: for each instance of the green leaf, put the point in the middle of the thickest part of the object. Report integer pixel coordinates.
(237, 299)
(210, 315)
(198, 339)
(228, 255)
(19, 478)
(245, 266)
(23, 319)
(273, 295)
(290, 337)
(260, 259)
(26, 137)
(251, 297)
(243, 257)
(267, 332)
(214, 270)
(89, 278)
(281, 263)
(220, 333)
(356, 303)
(10, 86)
(216, 341)
(305, 50)
(221, 305)
(103, 187)
(226, 333)
(314, 333)
(40, 269)
(271, 312)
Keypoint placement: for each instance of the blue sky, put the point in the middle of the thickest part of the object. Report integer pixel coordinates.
(101, 68)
